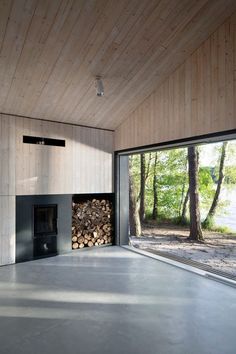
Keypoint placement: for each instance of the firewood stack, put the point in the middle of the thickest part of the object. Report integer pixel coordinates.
(91, 223)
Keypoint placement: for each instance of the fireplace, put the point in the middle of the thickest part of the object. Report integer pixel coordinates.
(44, 223)
(43, 226)
(45, 220)
(45, 230)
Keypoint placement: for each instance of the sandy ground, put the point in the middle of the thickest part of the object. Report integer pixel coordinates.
(218, 250)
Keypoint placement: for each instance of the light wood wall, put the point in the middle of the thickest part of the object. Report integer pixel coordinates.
(198, 98)
(84, 165)
(7, 190)
(7, 155)
(7, 229)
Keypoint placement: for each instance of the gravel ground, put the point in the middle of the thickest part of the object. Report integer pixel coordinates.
(218, 250)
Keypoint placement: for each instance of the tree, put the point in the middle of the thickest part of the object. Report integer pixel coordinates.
(182, 205)
(195, 220)
(184, 210)
(142, 187)
(184, 196)
(154, 211)
(135, 226)
(215, 201)
(171, 172)
(148, 166)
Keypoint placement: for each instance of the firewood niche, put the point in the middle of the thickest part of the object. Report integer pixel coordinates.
(92, 221)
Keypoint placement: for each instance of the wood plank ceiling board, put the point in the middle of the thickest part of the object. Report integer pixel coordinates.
(51, 52)
(198, 98)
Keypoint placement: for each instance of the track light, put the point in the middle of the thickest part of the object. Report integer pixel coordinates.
(99, 86)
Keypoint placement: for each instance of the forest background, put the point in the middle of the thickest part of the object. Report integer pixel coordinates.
(182, 186)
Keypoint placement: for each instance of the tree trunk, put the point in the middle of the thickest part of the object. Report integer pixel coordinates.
(148, 166)
(215, 201)
(195, 220)
(184, 209)
(142, 187)
(183, 202)
(134, 220)
(155, 187)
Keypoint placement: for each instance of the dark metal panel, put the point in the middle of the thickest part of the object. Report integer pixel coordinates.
(25, 227)
(122, 200)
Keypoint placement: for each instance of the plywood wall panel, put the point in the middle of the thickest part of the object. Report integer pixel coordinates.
(197, 98)
(42, 169)
(7, 230)
(92, 160)
(7, 155)
(79, 167)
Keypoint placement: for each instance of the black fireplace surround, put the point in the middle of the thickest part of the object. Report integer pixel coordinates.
(44, 222)
(43, 226)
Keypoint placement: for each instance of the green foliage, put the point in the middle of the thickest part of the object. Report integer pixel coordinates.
(207, 187)
(223, 230)
(230, 175)
(135, 172)
(171, 176)
(172, 181)
(210, 225)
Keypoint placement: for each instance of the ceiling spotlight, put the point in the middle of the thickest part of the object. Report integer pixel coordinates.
(99, 86)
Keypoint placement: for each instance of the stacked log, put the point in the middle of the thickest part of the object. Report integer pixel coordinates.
(91, 223)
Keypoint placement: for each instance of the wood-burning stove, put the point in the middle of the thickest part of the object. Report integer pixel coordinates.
(45, 230)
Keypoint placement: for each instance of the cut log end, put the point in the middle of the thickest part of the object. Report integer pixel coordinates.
(91, 223)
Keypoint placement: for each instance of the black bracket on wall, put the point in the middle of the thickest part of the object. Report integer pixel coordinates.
(43, 141)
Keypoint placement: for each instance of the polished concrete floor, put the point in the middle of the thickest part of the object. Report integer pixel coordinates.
(111, 301)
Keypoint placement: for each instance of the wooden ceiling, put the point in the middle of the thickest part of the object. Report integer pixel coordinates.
(51, 51)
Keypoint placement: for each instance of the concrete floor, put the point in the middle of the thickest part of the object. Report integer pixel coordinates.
(109, 301)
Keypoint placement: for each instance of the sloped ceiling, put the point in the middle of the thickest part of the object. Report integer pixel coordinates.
(51, 52)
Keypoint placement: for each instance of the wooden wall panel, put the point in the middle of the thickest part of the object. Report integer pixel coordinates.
(43, 169)
(92, 160)
(198, 98)
(7, 155)
(7, 230)
(84, 165)
(7, 190)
